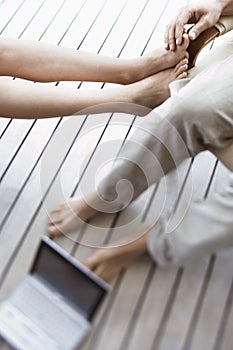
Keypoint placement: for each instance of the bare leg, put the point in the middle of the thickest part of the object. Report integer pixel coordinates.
(108, 262)
(20, 99)
(42, 62)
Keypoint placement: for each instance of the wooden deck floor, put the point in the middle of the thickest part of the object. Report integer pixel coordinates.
(148, 308)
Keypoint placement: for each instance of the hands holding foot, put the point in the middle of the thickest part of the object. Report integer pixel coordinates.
(155, 71)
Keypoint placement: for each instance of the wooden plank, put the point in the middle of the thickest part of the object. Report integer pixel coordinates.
(142, 31)
(22, 18)
(4, 123)
(156, 310)
(213, 305)
(14, 180)
(118, 316)
(8, 10)
(12, 141)
(44, 19)
(147, 322)
(224, 337)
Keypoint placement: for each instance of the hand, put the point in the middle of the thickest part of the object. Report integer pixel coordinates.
(203, 15)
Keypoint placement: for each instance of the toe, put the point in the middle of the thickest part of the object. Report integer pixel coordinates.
(185, 41)
(55, 218)
(104, 273)
(184, 61)
(58, 209)
(182, 69)
(53, 231)
(58, 228)
(182, 65)
(90, 263)
(182, 75)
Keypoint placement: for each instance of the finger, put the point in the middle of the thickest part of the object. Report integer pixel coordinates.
(175, 30)
(171, 38)
(185, 15)
(179, 31)
(166, 45)
(198, 28)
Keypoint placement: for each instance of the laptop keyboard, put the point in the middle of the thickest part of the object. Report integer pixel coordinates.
(50, 317)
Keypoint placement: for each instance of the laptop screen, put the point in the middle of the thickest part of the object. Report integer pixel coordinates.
(70, 279)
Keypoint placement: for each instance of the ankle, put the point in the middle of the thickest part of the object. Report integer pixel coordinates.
(134, 92)
(136, 70)
(135, 248)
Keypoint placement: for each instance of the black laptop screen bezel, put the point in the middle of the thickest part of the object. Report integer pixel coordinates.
(86, 276)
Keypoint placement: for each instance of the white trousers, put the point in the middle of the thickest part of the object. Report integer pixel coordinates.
(206, 228)
(198, 116)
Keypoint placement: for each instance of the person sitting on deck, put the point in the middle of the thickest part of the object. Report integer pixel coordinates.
(199, 117)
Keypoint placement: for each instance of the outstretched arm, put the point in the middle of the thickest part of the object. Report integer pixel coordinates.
(203, 14)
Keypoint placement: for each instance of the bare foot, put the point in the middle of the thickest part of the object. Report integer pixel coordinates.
(71, 215)
(156, 61)
(140, 97)
(108, 262)
(154, 90)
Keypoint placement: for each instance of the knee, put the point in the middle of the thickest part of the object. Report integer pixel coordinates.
(172, 249)
(185, 110)
(122, 184)
(194, 123)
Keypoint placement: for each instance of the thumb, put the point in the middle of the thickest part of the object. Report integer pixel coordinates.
(198, 28)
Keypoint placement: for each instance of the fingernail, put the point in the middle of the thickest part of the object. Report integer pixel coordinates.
(172, 47)
(192, 35)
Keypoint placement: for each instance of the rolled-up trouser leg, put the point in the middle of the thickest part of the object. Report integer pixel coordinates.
(206, 228)
(199, 116)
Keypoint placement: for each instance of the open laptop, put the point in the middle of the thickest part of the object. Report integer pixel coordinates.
(54, 305)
